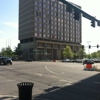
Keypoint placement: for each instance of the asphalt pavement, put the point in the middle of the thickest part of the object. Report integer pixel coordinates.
(52, 81)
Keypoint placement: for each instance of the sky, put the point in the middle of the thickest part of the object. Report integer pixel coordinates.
(9, 23)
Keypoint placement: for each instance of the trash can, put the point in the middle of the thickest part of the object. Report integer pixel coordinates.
(25, 90)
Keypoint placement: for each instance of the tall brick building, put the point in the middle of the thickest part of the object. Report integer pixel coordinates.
(46, 27)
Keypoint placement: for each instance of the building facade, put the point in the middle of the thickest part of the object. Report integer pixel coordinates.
(46, 27)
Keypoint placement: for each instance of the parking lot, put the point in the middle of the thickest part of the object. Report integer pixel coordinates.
(52, 80)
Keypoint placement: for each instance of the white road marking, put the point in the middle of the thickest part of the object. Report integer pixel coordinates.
(49, 70)
(63, 80)
(10, 80)
(97, 82)
(39, 74)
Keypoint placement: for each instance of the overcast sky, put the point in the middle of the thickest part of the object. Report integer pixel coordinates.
(9, 23)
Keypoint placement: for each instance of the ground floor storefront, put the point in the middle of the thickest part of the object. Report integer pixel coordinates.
(46, 50)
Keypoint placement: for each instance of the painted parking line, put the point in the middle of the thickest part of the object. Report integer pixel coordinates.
(49, 70)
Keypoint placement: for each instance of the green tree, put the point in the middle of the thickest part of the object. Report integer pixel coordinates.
(67, 52)
(94, 55)
(81, 53)
(6, 51)
(98, 53)
(3, 52)
(75, 56)
(18, 51)
(89, 56)
(9, 51)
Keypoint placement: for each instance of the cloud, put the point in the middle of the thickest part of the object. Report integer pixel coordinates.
(12, 24)
(2, 32)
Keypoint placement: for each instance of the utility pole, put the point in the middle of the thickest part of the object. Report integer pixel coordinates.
(88, 48)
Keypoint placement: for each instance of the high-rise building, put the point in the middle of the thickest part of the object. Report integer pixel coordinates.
(46, 27)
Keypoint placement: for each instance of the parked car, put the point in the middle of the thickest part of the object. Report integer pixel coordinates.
(5, 60)
(29, 60)
(66, 60)
(88, 61)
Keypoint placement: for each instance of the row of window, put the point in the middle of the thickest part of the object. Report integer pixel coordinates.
(57, 37)
(59, 22)
(50, 3)
(59, 32)
(54, 11)
(54, 30)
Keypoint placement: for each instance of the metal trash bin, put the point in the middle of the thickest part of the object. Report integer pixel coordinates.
(25, 90)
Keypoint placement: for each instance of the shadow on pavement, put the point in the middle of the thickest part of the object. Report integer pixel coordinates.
(87, 89)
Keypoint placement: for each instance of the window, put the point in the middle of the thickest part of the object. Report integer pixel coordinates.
(40, 24)
(40, 29)
(44, 30)
(40, 4)
(58, 10)
(36, 34)
(51, 27)
(48, 31)
(44, 20)
(36, 24)
(52, 3)
(40, 35)
(55, 27)
(44, 15)
(48, 16)
(36, 29)
(35, 8)
(55, 9)
(51, 22)
(44, 35)
(44, 1)
(48, 26)
(51, 17)
(48, 35)
(52, 8)
(51, 31)
(61, 38)
(48, 2)
(51, 12)
(44, 5)
(44, 10)
(36, 3)
(40, 19)
(68, 39)
(35, 18)
(59, 19)
(40, 9)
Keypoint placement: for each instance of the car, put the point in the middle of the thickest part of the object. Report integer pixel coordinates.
(66, 60)
(28, 60)
(5, 60)
(88, 61)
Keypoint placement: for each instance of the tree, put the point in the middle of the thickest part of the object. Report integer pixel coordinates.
(94, 55)
(67, 52)
(18, 51)
(98, 53)
(6, 51)
(75, 56)
(89, 56)
(3, 52)
(81, 53)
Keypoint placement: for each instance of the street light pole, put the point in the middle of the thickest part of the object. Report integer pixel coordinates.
(88, 48)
